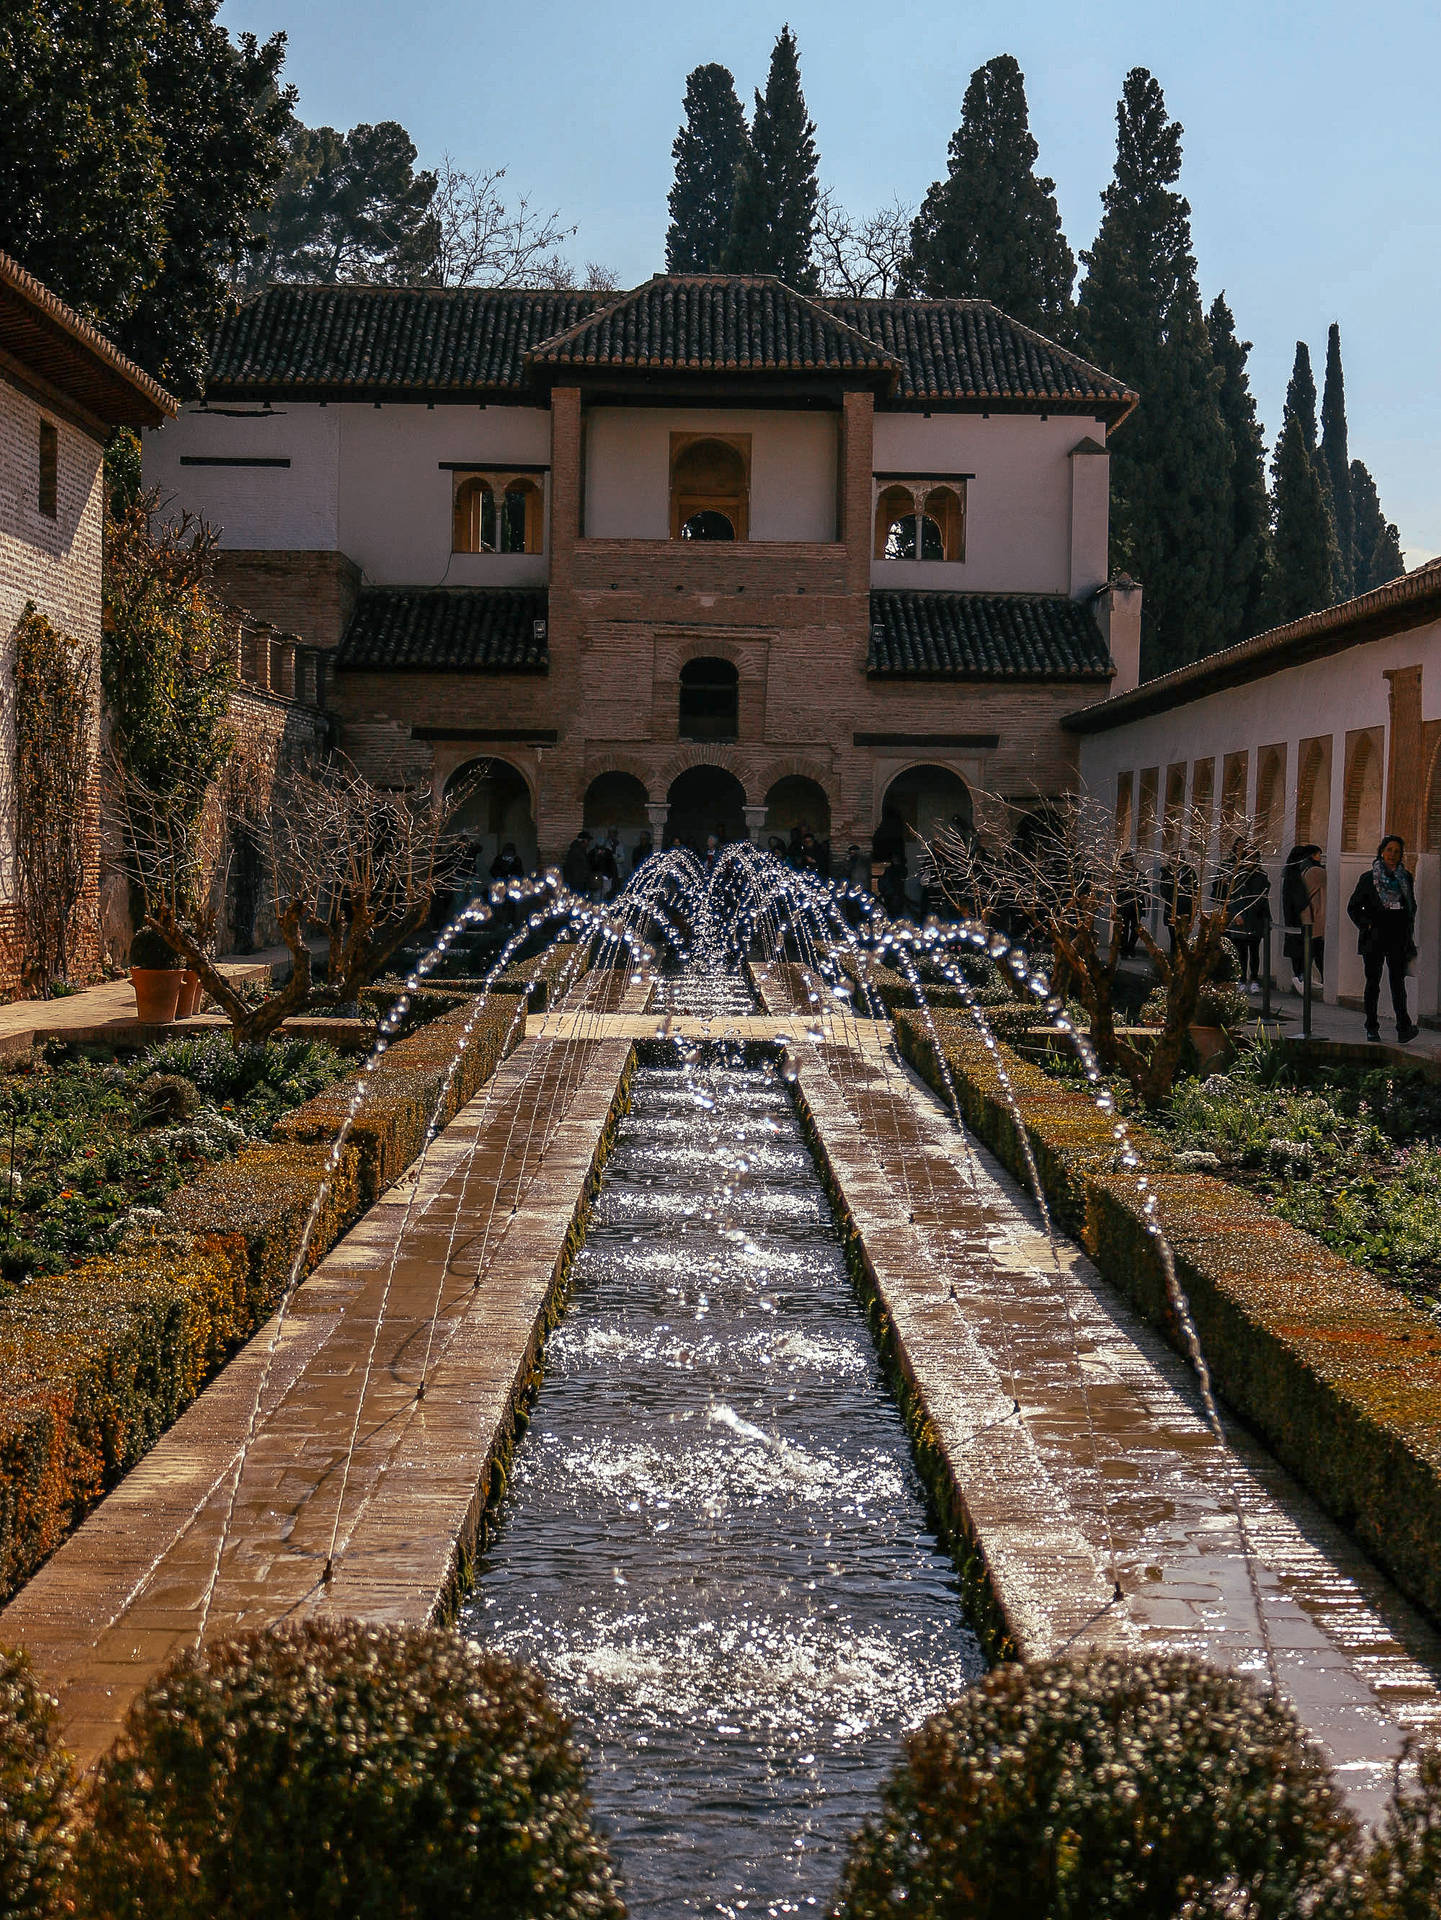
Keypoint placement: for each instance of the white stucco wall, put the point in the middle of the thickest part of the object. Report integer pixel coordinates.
(627, 471)
(364, 479)
(1327, 698)
(1018, 506)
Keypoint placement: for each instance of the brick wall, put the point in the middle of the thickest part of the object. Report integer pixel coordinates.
(56, 563)
(310, 594)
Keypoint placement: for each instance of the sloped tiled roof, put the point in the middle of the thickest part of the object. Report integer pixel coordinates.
(712, 322)
(387, 339)
(983, 636)
(446, 630)
(970, 350)
(414, 342)
(50, 339)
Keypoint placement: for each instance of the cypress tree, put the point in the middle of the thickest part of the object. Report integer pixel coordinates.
(1338, 460)
(1305, 572)
(1140, 317)
(708, 151)
(991, 229)
(774, 213)
(1378, 542)
(1248, 546)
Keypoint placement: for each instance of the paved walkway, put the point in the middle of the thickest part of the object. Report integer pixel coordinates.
(105, 1012)
(1108, 1472)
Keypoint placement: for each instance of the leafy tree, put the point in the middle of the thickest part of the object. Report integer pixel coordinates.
(1338, 462)
(708, 150)
(1140, 317)
(991, 229)
(350, 206)
(1248, 545)
(82, 180)
(1378, 540)
(773, 216)
(137, 140)
(1305, 572)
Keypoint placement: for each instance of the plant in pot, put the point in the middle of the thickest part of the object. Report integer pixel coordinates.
(157, 975)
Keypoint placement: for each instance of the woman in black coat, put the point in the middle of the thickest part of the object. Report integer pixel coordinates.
(1383, 906)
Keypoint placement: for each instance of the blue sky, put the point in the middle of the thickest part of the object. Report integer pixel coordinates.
(1312, 143)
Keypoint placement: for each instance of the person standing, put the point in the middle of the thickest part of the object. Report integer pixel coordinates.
(1130, 905)
(1248, 912)
(1303, 904)
(576, 868)
(1383, 906)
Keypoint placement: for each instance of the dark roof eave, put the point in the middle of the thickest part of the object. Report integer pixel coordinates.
(538, 670)
(372, 392)
(1086, 677)
(61, 348)
(1115, 412)
(1407, 602)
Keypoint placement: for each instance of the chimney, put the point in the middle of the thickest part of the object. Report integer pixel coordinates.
(1118, 614)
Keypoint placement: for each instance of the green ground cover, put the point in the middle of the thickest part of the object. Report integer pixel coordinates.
(1349, 1154)
(98, 1143)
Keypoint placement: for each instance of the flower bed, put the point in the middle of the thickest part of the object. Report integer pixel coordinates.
(1336, 1371)
(96, 1362)
(99, 1146)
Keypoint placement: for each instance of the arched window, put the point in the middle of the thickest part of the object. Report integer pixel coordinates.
(896, 525)
(709, 700)
(709, 486)
(708, 524)
(946, 513)
(520, 518)
(474, 518)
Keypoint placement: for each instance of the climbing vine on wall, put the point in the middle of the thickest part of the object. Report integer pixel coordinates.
(54, 684)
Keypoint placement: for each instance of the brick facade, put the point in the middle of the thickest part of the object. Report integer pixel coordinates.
(310, 594)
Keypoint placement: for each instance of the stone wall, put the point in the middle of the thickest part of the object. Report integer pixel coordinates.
(308, 594)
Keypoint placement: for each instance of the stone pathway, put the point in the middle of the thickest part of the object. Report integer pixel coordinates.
(1108, 1474)
(471, 1243)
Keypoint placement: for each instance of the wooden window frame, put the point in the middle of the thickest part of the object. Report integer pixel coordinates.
(498, 483)
(919, 496)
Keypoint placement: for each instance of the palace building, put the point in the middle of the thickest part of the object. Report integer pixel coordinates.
(709, 555)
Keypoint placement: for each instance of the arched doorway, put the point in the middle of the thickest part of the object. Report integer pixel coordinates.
(496, 809)
(798, 802)
(919, 801)
(705, 800)
(617, 800)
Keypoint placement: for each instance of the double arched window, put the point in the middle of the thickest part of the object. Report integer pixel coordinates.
(497, 513)
(916, 522)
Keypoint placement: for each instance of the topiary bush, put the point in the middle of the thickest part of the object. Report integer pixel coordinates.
(35, 1795)
(1403, 1876)
(1107, 1789)
(348, 1770)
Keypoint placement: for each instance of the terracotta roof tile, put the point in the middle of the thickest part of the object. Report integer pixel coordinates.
(983, 636)
(446, 630)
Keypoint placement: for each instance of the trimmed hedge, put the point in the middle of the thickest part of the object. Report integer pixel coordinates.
(96, 1363)
(1339, 1375)
(37, 1783)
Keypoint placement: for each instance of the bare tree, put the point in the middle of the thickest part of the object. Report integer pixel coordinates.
(487, 240)
(866, 259)
(1065, 879)
(357, 863)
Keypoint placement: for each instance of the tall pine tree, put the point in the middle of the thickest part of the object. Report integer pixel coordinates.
(991, 229)
(1305, 567)
(1378, 542)
(708, 151)
(1139, 317)
(1337, 457)
(774, 214)
(1249, 538)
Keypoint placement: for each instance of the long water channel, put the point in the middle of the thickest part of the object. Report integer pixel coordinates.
(715, 1544)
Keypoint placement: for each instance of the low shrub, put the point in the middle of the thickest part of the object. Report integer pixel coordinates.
(1107, 1789)
(1403, 1874)
(36, 1788)
(96, 1362)
(347, 1770)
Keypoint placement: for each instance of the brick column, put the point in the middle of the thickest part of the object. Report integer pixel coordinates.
(565, 481)
(1405, 765)
(856, 464)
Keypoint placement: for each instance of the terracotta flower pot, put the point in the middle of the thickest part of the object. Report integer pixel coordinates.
(157, 990)
(189, 1001)
(1210, 1043)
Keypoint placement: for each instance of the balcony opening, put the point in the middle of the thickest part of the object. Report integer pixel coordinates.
(710, 486)
(709, 700)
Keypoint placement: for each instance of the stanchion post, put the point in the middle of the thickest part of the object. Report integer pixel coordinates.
(1306, 983)
(1266, 972)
